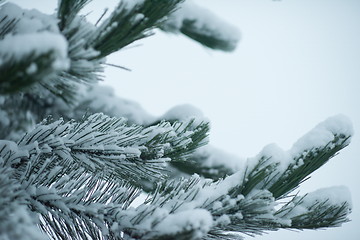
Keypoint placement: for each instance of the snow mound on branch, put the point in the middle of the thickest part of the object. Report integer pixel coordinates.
(332, 196)
(336, 195)
(276, 155)
(29, 21)
(205, 22)
(323, 133)
(320, 136)
(218, 157)
(13, 47)
(335, 130)
(185, 112)
(197, 221)
(34, 34)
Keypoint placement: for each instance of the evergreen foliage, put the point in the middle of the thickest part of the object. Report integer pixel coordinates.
(68, 171)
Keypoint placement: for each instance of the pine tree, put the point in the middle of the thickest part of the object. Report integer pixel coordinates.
(76, 161)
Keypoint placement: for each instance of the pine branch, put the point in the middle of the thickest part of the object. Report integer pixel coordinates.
(251, 214)
(202, 26)
(45, 159)
(7, 25)
(194, 136)
(81, 176)
(68, 9)
(63, 195)
(129, 22)
(100, 143)
(90, 202)
(192, 201)
(221, 210)
(208, 162)
(19, 74)
(39, 60)
(25, 66)
(273, 169)
(305, 164)
(323, 208)
(87, 45)
(16, 221)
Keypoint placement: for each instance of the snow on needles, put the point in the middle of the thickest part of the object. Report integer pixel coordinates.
(205, 22)
(197, 221)
(29, 21)
(323, 133)
(185, 112)
(14, 48)
(336, 195)
(331, 196)
(335, 131)
(35, 34)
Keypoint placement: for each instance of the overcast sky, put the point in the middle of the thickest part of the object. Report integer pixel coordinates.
(297, 64)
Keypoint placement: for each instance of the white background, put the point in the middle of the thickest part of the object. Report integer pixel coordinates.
(298, 63)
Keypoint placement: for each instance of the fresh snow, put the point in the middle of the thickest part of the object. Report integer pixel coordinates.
(29, 21)
(324, 133)
(205, 21)
(217, 157)
(331, 196)
(41, 35)
(336, 196)
(320, 136)
(185, 112)
(35, 34)
(198, 220)
(13, 47)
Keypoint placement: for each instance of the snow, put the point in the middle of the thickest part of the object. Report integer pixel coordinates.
(31, 69)
(205, 22)
(13, 47)
(138, 17)
(238, 215)
(131, 4)
(185, 112)
(21, 226)
(35, 33)
(214, 157)
(11, 152)
(4, 119)
(198, 220)
(324, 133)
(29, 21)
(109, 29)
(223, 220)
(17, 221)
(276, 155)
(336, 195)
(333, 196)
(207, 191)
(321, 135)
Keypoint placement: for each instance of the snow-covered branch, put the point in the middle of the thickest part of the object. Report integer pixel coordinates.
(203, 26)
(100, 143)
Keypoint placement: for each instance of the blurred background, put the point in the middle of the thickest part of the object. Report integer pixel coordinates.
(298, 63)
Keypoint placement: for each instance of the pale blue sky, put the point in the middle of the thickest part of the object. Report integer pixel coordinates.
(298, 63)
